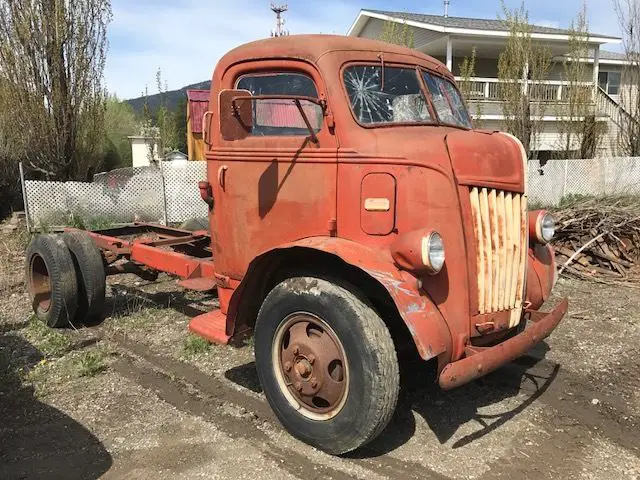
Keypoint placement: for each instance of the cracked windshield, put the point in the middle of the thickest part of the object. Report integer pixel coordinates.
(386, 95)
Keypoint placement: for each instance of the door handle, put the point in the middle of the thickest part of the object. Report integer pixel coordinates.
(222, 176)
(205, 127)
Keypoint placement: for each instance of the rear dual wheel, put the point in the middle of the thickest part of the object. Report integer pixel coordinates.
(327, 364)
(65, 278)
(51, 280)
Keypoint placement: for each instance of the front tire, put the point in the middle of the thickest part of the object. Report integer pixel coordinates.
(327, 364)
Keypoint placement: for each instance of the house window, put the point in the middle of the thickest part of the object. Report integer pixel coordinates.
(282, 117)
(609, 82)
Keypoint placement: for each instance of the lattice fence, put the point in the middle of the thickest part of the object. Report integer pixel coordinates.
(165, 194)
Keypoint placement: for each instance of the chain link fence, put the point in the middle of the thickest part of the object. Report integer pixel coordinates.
(169, 194)
(558, 179)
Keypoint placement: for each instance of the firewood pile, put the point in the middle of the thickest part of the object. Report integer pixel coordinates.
(599, 238)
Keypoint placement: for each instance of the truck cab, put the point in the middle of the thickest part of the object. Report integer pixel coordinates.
(349, 169)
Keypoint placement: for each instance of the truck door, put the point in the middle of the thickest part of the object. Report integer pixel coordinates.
(277, 182)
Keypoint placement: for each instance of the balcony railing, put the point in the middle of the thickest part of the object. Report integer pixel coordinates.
(488, 89)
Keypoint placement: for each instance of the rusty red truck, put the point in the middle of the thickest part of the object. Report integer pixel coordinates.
(354, 212)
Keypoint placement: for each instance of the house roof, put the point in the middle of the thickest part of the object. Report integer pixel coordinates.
(198, 95)
(466, 23)
(198, 105)
(606, 55)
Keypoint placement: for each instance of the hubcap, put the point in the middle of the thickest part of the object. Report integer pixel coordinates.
(40, 284)
(310, 366)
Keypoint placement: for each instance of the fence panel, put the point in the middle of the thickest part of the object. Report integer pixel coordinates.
(546, 184)
(183, 199)
(598, 176)
(119, 196)
(622, 176)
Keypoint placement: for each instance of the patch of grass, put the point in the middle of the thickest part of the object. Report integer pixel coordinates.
(135, 315)
(194, 346)
(39, 378)
(77, 220)
(50, 342)
(90, 363)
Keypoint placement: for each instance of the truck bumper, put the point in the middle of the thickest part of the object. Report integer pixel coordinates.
(481, 361)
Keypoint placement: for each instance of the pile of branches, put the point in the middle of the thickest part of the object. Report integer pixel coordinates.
(598, 238)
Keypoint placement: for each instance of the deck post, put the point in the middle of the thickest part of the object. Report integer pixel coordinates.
(596, 70)
(449, 53)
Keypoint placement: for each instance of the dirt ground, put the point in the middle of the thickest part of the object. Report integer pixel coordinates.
(136, 397)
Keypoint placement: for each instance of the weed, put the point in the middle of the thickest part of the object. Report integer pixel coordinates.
(90, 363)
(134, 315)
(194, 346)
(51, 343)
(39, 378)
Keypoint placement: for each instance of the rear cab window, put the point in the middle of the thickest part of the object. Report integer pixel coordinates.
(281, 117)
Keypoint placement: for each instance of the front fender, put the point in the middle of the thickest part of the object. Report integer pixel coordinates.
(423, 319)
(541, 274)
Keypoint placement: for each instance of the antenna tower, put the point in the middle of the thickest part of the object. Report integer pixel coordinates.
(279, 10)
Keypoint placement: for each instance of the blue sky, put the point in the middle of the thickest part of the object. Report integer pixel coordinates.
(185, 38)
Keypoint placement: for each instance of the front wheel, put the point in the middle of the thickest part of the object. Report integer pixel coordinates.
(327, 364)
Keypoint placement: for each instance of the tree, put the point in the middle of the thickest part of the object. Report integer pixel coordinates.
(397, 33)
(120, 122)
(581, 133)
(52, 57)
(521, 67)
(180, 116)
(467, 85)
(9, 179)
(628, 12)
(160, 127)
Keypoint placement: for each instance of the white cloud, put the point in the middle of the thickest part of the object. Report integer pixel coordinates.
(185, 39)
(547, 23)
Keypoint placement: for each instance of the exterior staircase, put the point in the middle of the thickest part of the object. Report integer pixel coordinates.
(619, 118)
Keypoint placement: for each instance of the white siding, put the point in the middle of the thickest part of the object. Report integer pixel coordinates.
(375, 27)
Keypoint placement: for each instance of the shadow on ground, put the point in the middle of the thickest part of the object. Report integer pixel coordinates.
(443, 411)
(37, 440)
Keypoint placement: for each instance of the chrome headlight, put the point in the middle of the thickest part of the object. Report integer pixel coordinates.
(433, 252)
(545, 228)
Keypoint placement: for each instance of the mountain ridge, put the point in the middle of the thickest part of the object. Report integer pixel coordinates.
(172, 97)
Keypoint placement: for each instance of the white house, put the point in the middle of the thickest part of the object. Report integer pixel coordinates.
(141, 147)
(451, 39)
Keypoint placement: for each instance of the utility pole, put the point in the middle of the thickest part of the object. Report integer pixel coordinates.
(446, 8)
(279, 10)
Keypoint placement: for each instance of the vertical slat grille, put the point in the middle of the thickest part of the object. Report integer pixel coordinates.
(500, 228)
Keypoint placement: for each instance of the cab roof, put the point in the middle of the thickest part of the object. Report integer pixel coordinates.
(312, 47)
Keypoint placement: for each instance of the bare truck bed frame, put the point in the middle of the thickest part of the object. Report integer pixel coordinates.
(150, 248)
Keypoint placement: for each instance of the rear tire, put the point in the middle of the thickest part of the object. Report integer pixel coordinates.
(51, 280)
(90, 273)
(306, 328)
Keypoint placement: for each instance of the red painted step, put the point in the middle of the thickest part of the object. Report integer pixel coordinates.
(200, 284)
(211, 326)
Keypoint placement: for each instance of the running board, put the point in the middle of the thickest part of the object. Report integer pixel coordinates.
(211, 326)
(199, 284)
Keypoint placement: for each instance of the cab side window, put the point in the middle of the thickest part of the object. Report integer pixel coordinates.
(282, 117)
